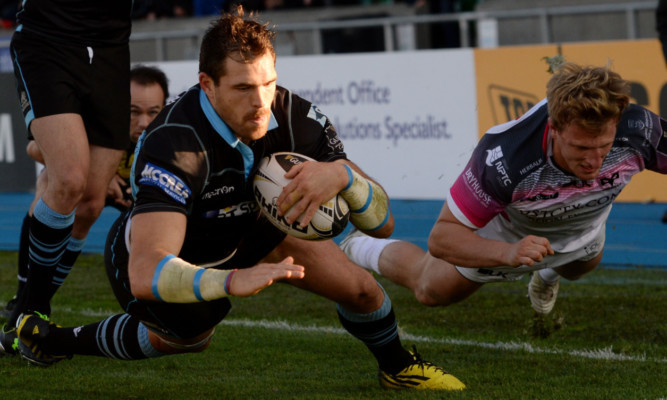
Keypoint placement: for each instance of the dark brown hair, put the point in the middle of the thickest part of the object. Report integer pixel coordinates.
(232, 35)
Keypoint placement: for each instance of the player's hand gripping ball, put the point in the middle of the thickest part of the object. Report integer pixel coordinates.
(330, 218)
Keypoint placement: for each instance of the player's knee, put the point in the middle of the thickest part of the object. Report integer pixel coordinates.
(430, 298)
(90, 208)
(366, 296)
(439, 293)
(577, 269)
(68, 189)
(194, 345)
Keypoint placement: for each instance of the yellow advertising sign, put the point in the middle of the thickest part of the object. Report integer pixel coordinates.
(511, 79)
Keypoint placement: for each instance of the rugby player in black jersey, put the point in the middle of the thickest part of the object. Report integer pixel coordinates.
(195, 237)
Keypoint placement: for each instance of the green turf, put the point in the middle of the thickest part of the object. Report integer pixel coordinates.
(288, 344)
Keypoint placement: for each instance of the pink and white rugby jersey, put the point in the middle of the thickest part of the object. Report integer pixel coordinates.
(512, 188)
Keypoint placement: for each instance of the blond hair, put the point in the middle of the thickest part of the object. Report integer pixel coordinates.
(586, 96)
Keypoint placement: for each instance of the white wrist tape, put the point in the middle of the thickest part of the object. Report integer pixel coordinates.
(369, 206)
(177, 281)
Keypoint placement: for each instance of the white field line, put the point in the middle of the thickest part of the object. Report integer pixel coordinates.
(597, 354)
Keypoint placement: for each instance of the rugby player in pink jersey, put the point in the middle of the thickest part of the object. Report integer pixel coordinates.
(534, 196)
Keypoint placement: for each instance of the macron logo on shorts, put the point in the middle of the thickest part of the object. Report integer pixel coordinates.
(165, 180)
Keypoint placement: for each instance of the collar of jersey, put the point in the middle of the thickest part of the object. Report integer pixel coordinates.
(223, 130)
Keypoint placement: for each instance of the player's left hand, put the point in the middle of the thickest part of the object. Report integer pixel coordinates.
(118, 191)
(250, 281)
(313, 183)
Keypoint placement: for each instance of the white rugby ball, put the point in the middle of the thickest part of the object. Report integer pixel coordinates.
(330, 218)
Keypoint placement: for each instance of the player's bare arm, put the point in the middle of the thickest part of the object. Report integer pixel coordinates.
(34, 152)
(458, 244)
(153, 236)
(156, 273)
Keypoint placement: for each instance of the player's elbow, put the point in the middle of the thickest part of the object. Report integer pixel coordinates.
(140, 292)
(140, 289)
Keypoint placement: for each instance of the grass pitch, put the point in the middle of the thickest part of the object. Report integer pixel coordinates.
(606, 340)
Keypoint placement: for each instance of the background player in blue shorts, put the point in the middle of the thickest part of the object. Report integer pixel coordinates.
(195, 236)
(534, 196)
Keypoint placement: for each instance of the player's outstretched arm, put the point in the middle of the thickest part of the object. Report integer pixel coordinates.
(250, 281)
(458, 244)
(156, 273)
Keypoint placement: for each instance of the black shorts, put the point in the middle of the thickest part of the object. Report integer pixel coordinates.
(58, 78)
(173, 319)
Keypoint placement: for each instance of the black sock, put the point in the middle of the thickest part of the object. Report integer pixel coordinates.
(380, 335)
(65, 264)
(50, 234)
(24, 243)
(121, 336)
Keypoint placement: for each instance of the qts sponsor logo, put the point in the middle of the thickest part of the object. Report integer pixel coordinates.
(509, 104)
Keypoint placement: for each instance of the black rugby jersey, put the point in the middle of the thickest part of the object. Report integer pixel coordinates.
(189, 161)
(86, 22)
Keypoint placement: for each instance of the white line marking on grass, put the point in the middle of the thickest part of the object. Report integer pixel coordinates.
(598, 354)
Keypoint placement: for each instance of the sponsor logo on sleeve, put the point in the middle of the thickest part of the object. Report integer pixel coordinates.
(315, 114)
(476, 188)
(493, 158)
(493, 154)
(172, 185)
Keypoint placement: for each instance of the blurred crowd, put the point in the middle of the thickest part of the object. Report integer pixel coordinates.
(157, 9)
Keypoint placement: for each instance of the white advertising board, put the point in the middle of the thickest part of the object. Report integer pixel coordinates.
(408, 119)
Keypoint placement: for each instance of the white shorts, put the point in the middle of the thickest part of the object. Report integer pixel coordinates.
(506, 274)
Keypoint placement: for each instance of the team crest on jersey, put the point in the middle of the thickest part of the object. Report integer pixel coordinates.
(493, 155)
(315, 114)
(172, 185)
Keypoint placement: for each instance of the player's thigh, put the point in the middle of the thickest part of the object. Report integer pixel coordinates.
(170, 345)
(103, 165)
(576, 269)
(441, 284)
(64, 147)
(331, 274)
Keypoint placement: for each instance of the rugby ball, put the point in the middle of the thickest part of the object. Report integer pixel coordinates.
(330, 218)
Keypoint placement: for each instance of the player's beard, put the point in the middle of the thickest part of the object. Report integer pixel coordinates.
(254, 131)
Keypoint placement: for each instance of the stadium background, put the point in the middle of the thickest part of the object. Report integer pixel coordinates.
(410, 119)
